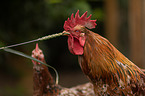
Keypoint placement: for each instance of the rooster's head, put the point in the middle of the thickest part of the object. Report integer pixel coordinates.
(75, 26)
(38, 54)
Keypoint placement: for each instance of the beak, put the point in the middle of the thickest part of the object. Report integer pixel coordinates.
(36, 55)
(65, 33)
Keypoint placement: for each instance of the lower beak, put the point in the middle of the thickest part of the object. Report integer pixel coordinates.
(65, 33)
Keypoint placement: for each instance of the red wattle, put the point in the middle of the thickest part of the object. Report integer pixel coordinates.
(70, 43)
(77, 48)
(74, 46)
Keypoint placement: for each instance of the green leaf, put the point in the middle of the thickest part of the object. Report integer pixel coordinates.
(29, 57)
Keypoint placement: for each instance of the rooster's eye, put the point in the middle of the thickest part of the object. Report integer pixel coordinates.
(76, 30)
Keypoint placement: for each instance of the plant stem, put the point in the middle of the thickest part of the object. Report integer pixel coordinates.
(39, 39)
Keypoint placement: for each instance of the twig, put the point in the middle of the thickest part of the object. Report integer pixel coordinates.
(39, 39)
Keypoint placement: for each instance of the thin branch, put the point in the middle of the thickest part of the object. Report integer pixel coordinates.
(39, 39)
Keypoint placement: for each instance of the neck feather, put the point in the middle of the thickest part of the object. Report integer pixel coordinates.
(101, 60)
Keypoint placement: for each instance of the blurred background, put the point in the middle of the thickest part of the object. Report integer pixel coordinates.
(120, 21)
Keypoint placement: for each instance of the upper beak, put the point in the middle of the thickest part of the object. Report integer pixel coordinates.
(65, 33)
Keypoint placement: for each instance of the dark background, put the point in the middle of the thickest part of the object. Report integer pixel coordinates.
(121, 21)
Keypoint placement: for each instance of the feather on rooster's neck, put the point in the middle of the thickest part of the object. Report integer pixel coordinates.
(105, 61)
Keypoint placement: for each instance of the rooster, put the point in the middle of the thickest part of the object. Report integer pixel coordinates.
(110, 72)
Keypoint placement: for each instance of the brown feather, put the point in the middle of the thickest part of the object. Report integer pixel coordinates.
(43, 83)
(108, 69)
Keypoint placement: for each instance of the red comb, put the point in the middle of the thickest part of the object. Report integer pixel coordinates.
(37, 47)
(77, 20)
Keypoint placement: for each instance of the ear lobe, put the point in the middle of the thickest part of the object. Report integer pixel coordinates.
(82, 40)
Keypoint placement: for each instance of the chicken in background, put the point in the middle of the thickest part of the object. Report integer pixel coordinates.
(44, 84)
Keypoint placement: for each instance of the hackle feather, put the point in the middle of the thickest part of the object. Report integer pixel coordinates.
(108, 69)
